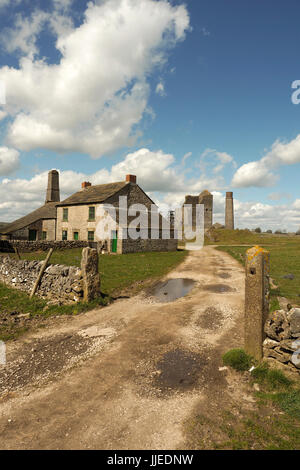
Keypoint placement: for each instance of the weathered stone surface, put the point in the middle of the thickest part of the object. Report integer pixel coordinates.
(56, 283)
(256, 299)
(277, 326)
(25, 246)
(90, 274)
(281, 357)
(229, 212)
(270, 343)
(281, 343)
(294, 319)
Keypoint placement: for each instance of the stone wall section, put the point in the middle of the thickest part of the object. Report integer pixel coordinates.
(60, 284)
(25, 246)
(283, 337)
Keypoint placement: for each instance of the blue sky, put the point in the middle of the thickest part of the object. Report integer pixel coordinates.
(188, 96)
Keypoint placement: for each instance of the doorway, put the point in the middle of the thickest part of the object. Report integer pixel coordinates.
(114, 241)
(32, 235)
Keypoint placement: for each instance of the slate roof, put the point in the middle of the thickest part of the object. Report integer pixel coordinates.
(93, 194)
(47, 211)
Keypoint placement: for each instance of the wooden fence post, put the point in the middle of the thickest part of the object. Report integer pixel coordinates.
(44, 265)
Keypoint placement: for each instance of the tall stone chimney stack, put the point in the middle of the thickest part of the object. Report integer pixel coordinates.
(53, 194)
(229, 212)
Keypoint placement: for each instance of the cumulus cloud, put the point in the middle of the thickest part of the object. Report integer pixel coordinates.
(94, 98)
(261, 173)
(157, 173)
(9, 160)
(160, 176)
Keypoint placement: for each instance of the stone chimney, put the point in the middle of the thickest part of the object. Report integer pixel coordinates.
(229, 212)
(53, 194)
(85, 185)
(131, 179)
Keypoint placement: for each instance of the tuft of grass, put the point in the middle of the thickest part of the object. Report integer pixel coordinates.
(271, 379)
(237, 359)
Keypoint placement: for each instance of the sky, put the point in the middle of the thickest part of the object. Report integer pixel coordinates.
(202, 94)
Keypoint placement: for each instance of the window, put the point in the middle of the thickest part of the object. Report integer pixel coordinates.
(91, 213)
(65, 215)
(44, 235)
(64, 235)
(91, 236)
(76, 235)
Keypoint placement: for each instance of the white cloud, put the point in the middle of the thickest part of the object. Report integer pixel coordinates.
(164, 181)
(160, 89)
(91, 101)
(260, 173)
(9, 160)
(253, 174)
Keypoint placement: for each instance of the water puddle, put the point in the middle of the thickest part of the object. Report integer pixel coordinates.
(218, 288)
(172, 289)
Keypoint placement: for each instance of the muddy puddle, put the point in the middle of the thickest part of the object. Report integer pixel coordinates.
(210, 319)
(218, 288)
(171, 290)
(224, 275)
(179, 370)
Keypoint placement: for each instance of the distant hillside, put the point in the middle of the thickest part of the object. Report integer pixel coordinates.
(2, 225)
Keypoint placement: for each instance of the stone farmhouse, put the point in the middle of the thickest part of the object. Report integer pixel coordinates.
(77, 218)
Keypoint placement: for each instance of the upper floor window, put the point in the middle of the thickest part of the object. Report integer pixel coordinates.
(91, 213)
(65, 214)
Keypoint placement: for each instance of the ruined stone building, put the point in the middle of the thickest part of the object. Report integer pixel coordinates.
(78, 216)
(205, 198)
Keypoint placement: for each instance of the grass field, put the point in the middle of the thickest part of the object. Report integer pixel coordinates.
(272, 424)
(284, 260)
(118, 272)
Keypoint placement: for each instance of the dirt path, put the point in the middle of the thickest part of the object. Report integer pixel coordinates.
(129, 375)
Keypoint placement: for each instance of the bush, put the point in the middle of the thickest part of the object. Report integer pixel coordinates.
(269, 231)
(257, 230)
(237, 359)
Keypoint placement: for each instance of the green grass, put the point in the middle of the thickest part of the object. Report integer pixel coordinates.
(272, 423)
(271, 379)
(237, 359)
(118, 272)
(245, 237)
(284, 259)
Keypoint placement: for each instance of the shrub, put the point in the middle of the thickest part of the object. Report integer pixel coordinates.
(237, 359)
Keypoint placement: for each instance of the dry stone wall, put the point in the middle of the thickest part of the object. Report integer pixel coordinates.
(59, 283)
(283, 337)
(25, 246)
